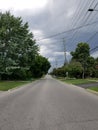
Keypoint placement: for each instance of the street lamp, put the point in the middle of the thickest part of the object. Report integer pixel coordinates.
(91, 10)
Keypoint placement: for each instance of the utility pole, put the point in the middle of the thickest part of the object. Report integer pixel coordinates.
(64, 45)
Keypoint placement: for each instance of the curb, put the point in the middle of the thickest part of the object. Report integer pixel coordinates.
(91, 91)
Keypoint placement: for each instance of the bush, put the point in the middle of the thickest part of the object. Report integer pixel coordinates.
(20, 74)
(75, 69)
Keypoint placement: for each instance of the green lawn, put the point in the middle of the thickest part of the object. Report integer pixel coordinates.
(77, 81)
(6, 85)
(82, 81)
(94, 88)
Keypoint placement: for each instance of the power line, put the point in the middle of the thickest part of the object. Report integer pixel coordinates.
(51, 36)
(60, 14)
(68, 30)
(93, 48)
(92, 36)
(83, 18)
(77, 12)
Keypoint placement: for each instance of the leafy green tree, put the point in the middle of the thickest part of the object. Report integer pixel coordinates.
(90, 68)
(59, 72)
(81, 65)
(40, 66)
(17, 45)
(96, 67)
(81, 54)
(74, 69)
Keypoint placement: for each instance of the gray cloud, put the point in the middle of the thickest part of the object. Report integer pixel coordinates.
(59, 16)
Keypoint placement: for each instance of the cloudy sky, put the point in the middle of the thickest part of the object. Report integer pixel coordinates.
(58, 25)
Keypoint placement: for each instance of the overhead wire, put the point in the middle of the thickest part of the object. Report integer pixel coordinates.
(93, 50)
(78, 13)
(92, 37)
(74, 25)
(76, 16)
(85, 18)
(57, 34)
(79, 7)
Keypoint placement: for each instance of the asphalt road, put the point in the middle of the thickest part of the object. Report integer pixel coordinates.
(48, 104)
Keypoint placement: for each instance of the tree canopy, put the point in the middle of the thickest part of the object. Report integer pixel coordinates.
(82, 65)
(40, 66)
(82, 55)
(18, 48)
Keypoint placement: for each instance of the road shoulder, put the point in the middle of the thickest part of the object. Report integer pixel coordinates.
(91, 91)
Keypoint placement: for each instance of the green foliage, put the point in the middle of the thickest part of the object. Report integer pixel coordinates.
(40, 66)
(60, 72)
(18, 50)
(75, 69)
(82, 55)
(19, 74)
(17, 47)
(81, 65)
(96, 67)
(16, 74)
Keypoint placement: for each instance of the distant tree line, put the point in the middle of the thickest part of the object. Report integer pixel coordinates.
(19, 53)
(82, 65)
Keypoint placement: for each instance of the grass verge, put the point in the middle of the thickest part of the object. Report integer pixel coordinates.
(94, 88)
(6, 85)
(82, 81)
(77, 81)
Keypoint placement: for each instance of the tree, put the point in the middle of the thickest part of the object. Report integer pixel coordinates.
(74, 69)
(81, 54)
(96, 67)
(60, 72)
(40, 66)
(90, 68)
(17, 45)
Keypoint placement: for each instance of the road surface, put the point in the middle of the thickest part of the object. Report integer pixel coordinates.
(48, 104)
